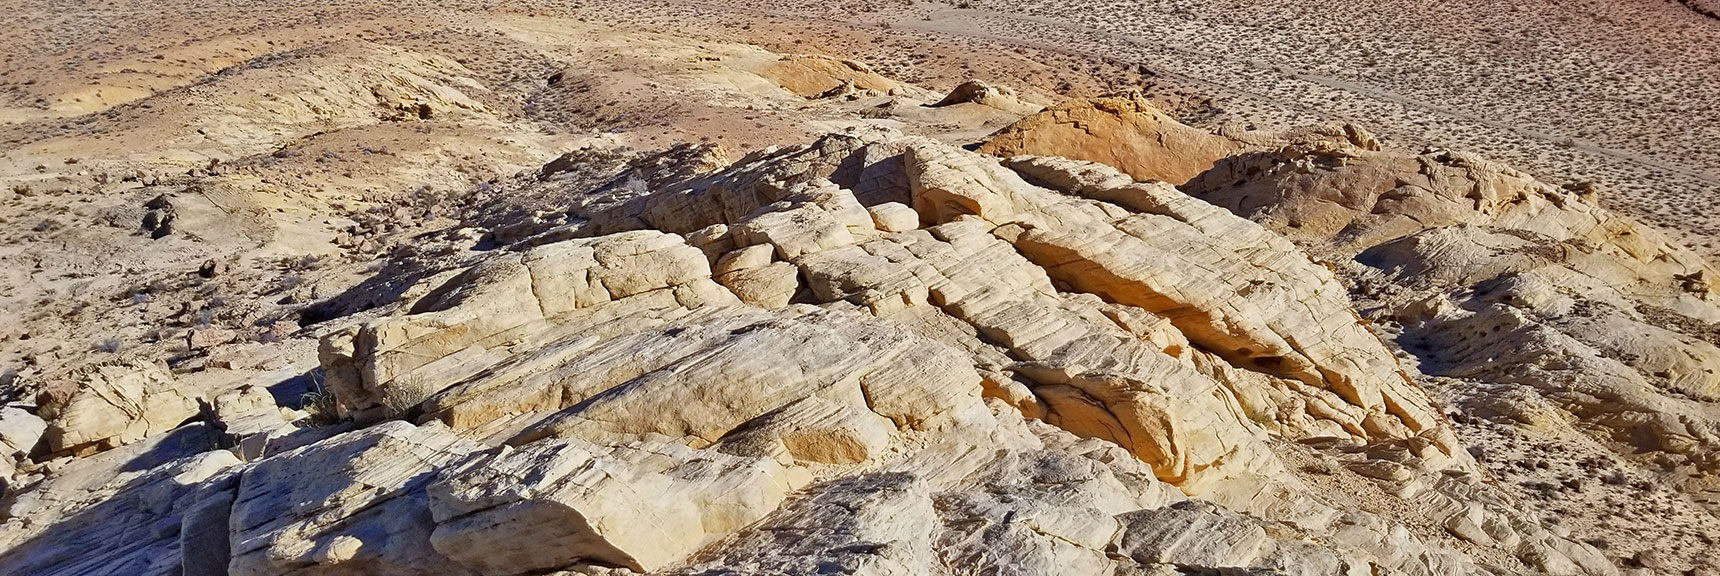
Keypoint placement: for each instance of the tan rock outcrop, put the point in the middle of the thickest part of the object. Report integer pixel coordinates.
(559, 503)
(981, 280)
(812, 75)
(1353, 199)
(983, 94)
(1224, 282)
(20, 432)
(874, 354)
(115, 405)
(354, 504)
(772, 285)
(1498, 279)
(894, 217)
(132, 510)
(392, 364)
(813, 430)
(727, 367)
(1126, 132)
(1034, 500)
(249, 420)
(1233, 301)
(1190, 533)
(824, 334)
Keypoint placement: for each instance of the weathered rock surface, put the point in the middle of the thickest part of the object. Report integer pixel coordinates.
(20, 432)
(1063, 303)
(390, 365)
(115, 405)
(872, 354)
(1098, 342)
(133, 510)
(814, 76)
(1172, 258)
(557, 503)
(1181, 336)
(1436, 212)
(983, 94)
(1128, 133)
(1544, 310)
(352, 504)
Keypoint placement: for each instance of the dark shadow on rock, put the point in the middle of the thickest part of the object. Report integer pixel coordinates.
(297, 392)
(133, 533)
(381, 289)
(178, 443)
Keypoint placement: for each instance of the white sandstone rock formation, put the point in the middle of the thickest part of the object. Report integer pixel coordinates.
(1498, 280)
(872, 354)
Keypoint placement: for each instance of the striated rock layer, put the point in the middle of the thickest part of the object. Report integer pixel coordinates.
(1496, 279)
(872, 354)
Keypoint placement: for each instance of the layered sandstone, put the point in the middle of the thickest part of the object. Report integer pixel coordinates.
(882, 353)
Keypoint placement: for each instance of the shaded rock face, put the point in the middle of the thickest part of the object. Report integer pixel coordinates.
(872, 354)
(354, 504)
